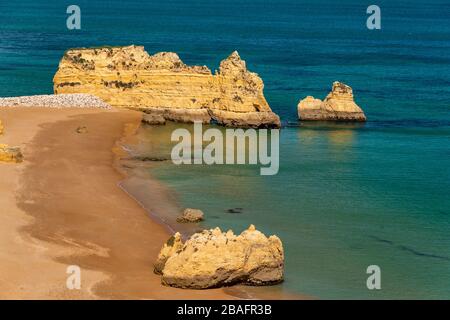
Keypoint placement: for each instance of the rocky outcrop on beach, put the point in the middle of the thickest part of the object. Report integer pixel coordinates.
(162, 83)
(10, 154)
(339, 105)
(214, 258)
(191, 216)
(172, 246)
(55, 101)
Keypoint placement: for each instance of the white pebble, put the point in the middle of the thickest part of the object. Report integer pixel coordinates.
(76, 100)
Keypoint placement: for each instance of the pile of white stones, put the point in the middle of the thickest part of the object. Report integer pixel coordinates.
(76, 100)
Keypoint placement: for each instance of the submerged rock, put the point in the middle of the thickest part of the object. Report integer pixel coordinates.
(130, 77)
(159, 116)
(260, 119)
(10, 154)
(153, 119)
(234, 210)
(191, 215)
(339, 105)
(214, 258)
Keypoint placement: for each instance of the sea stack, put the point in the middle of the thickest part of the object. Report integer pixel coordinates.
(213, 258)
(162, 84)
(339, 105)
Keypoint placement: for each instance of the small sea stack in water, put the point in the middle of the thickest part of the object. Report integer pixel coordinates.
(339, 105)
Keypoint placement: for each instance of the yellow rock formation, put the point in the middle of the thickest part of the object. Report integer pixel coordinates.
(214, 258)
(130, 77)
(173, 245)
(339, 105)
(10, 154)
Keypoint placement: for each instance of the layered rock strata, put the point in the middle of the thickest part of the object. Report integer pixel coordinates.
(339, 105)
(162, 83)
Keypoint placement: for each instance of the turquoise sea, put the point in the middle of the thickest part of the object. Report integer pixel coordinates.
(347, 196)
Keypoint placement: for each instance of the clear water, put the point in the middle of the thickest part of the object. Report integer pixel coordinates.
(346, 196)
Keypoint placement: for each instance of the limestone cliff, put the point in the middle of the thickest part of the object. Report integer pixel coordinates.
(130, 77)
(339, 105)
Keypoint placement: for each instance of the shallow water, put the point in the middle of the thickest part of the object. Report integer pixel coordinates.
(344, 199)
(346, 196)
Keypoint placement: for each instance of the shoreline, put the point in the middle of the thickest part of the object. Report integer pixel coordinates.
(67, 205)
(163, 207)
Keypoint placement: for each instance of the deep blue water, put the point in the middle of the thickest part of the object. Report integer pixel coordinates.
(346, 196)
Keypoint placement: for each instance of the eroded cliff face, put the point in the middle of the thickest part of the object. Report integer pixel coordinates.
(339, 105)
(130, 77)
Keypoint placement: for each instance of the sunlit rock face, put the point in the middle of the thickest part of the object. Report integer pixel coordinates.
(10, 154)
(339, 105)
(130, 77)
(213, 258)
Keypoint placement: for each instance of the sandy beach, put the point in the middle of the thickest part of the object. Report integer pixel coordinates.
(62, 206)
(65, 205)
